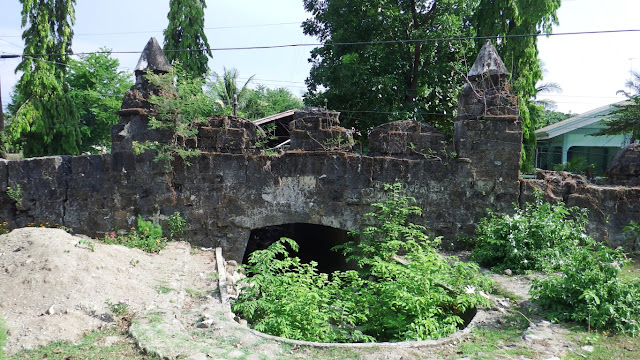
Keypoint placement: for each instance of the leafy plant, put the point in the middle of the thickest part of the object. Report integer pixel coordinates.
(15, 194)
(292, 299)
(88, 244)
(588, 290)
(181, 107)
(632, 232)
(147, 237)
(3, 228)
(120, 308)
(403, 289)
(536, 238)
(177, 226)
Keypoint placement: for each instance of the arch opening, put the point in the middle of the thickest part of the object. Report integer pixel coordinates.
(315, 243)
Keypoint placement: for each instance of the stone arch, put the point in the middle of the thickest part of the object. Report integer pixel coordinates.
(315, 237)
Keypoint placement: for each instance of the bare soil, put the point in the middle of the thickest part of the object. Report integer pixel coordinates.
(55, 286)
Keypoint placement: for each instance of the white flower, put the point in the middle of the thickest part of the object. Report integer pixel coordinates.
(470, 289)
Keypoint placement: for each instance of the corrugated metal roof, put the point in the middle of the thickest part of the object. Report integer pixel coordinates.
(576, 122)
(274, 117)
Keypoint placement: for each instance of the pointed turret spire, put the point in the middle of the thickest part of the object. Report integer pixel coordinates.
(488, 62)
(153, 58)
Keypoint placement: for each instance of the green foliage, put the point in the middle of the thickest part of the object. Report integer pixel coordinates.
(588, 289)
(177, 225)
(3, 337)
(88, 244)
(625, 118)
(97, 88)
(632, 233)
(550, 117)
(185, 32)
(223, 87)
(262, 102)
(292, 299)
(374, 84)
(577, 165)
(3, 227)
(44, 119)
(147, 237)
(181, 108)
(403, 289)
(15, 194)
(119, 309)
(536, 238)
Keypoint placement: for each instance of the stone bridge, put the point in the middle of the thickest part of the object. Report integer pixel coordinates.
(315, 191)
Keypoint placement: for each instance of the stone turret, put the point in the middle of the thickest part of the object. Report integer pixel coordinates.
(488, 131)
(487, 91)
(136, 108)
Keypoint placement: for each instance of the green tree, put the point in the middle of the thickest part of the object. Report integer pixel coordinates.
(625, 118)
(44, 117)
(374, 84)
(507, 20)
(223, 87)
(550, 117)
(185, 33)
(97, 88)
(262, 102)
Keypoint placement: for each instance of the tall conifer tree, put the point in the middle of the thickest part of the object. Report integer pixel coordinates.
(185, 33)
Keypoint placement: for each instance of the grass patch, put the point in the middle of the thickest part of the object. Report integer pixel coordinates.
(607, 347)
(195, 293)
(161, 289)
(3, 337)
(94, 345)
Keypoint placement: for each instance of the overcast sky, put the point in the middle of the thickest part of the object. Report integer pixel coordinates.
(589, 68)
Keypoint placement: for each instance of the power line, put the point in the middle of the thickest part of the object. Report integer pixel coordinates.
(357, 43)
(160, 31)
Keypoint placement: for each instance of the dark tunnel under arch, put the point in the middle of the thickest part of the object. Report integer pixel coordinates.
(315, 243)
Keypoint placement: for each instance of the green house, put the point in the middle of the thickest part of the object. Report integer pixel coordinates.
(571, 141)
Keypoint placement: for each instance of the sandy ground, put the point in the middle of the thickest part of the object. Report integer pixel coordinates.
(54, 287)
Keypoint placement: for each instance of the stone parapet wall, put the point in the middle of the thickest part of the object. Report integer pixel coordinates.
(223, 196)
(611, 208)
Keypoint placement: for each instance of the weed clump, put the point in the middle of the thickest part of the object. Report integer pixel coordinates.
(539, 237)
(402, 288)
(147, 237)
(582, 282)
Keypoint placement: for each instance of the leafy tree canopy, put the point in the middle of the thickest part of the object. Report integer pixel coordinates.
(550, 117)
(186, 32)
(223, 87)
(263, 101)
(97, 88)
(625, 119)
(374, 84)
(44, 117)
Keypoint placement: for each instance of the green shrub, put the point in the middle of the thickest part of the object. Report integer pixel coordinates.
(536, 238)
(147, 237)
(589, 291)
(403, 289)
(177, 225)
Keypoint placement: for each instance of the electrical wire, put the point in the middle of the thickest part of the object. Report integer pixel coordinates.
(357, 43)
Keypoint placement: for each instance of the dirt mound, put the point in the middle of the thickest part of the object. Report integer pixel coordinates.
(55, 286)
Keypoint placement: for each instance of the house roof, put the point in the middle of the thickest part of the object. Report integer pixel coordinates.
(268, 119)
(576, 122)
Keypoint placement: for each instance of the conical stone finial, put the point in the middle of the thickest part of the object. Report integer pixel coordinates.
(153, 59)
(488, 62)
